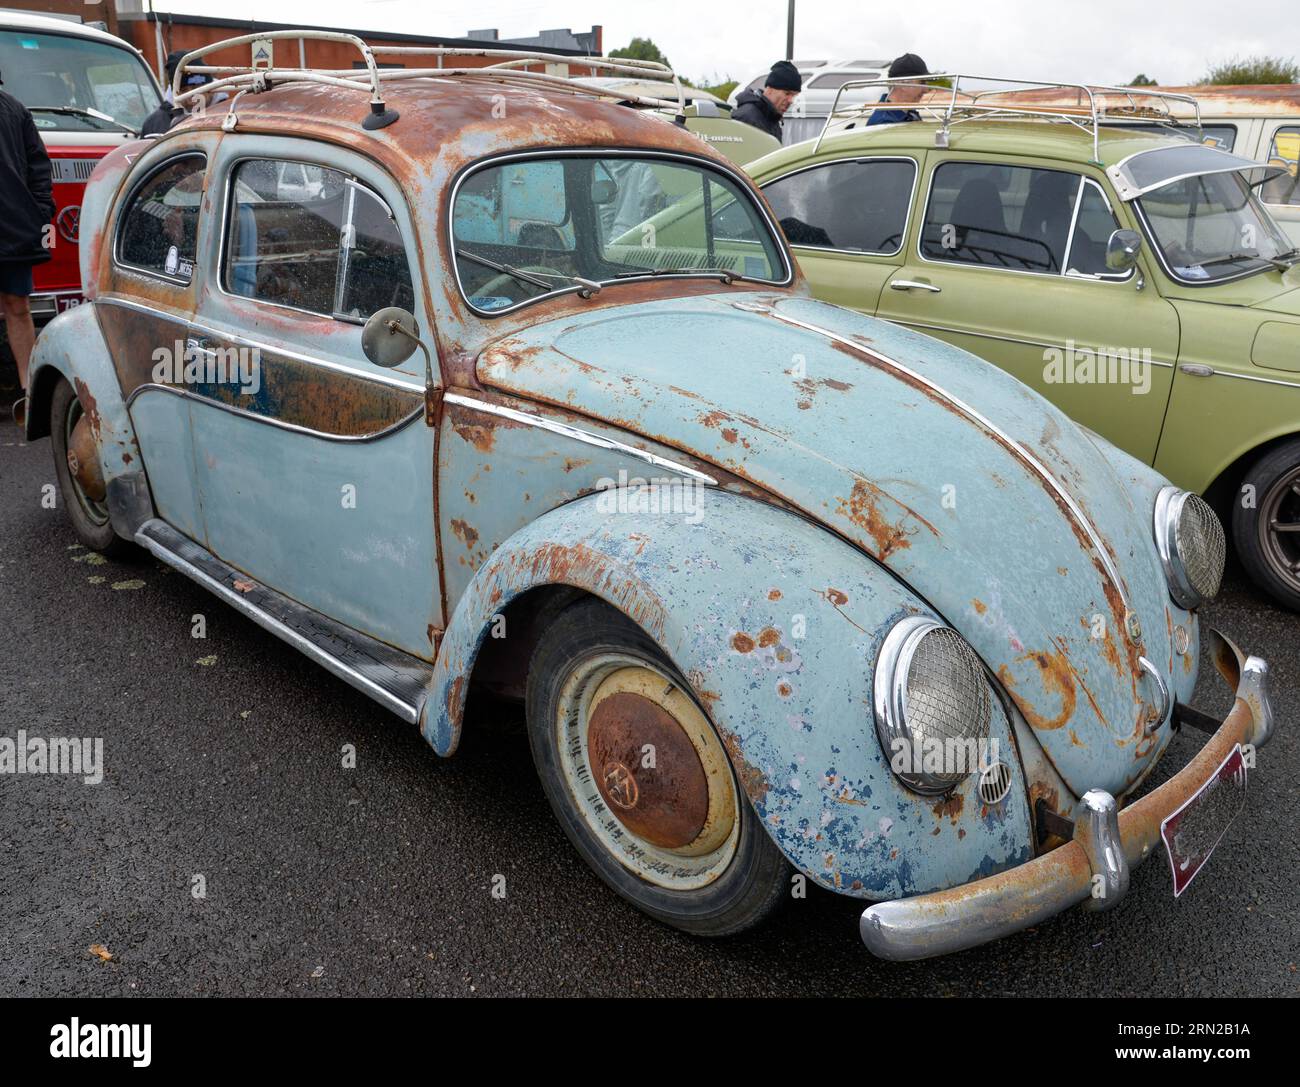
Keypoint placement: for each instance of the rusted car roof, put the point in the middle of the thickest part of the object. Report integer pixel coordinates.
(463, 118)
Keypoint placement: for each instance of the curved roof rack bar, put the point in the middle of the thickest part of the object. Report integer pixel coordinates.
(510, 67)
(1090, 110)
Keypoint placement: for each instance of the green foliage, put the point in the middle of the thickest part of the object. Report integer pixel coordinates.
(1142, 80)
(1241, 70)
(722, 90)
(641, 49)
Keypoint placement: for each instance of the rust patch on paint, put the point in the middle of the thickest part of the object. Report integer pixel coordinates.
(742, 642)
(768, 637)
(465, 532)
(949, 807)
(751, 778)
(980, 607)
(774, 594)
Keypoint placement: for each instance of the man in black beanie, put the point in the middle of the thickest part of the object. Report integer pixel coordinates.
(765, 110)
(909, 64)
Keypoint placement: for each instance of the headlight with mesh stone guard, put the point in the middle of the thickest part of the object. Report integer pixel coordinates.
(932, 705)
(1191, 545)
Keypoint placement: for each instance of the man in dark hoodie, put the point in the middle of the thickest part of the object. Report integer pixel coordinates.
(766, 110)
(25, 195)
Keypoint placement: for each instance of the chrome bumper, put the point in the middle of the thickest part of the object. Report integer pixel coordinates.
(1107, 844)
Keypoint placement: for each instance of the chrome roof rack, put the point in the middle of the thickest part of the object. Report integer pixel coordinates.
(510, 69)
(1085, 106)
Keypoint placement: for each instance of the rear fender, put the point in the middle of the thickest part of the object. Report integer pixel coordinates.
(72, 348)
(776, 624)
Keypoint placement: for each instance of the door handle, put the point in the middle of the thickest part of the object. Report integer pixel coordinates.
(910, 284)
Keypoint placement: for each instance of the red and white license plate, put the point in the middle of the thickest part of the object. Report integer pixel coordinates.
(1191, 833)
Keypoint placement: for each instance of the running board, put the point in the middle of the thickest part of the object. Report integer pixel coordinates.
(396, 680)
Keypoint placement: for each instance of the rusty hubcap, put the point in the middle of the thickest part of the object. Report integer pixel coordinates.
(647, 773)
(84, 469)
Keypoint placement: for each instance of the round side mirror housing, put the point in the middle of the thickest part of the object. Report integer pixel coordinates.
(1122, 250)
(390, 337)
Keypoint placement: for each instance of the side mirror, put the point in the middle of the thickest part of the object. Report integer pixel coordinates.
(1122, 250)
(390, 337)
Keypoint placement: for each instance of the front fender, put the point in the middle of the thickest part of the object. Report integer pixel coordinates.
(72, 347)
(776, 624)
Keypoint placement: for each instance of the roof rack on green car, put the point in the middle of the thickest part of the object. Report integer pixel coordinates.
(510, 68)
(955, 98)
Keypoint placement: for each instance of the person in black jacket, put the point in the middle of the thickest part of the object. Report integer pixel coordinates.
(766, 110)
(28, 202)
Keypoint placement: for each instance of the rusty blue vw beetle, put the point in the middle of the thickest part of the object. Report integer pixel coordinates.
(457, 378)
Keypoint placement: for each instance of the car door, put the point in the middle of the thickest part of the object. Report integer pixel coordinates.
(1008, 262)
(145, 304)
(315, 466)
(847, 220)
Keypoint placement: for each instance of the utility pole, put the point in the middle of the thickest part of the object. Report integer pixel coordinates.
(789, 30)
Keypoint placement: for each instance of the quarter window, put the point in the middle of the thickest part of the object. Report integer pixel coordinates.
(1284, 152)
(311, 238)
(160, 226)
(860, 206)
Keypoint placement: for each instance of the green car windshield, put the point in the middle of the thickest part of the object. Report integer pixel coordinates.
(525, 229)
(1210, 227)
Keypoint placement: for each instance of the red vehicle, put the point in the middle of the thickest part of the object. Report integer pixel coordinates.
(88, 92)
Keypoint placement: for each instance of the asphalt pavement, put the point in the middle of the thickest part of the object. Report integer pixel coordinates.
(223, 774)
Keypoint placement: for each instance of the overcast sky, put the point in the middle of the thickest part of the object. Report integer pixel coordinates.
(1100, 41)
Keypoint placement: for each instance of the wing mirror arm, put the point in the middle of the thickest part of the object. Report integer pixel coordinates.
(389, 338)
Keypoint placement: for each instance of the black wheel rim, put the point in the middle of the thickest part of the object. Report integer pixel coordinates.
(1279, 528)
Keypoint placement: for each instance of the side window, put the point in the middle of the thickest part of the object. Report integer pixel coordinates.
(860, 206)
(159, 228)
(1092, 230)
(1285, 152)
(310, 238)
(1012, 217)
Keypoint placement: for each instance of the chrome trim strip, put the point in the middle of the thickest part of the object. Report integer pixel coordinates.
(244, 341)
(907, 219)
(1006, 339)
(269, 623)
(576, 434)
(186, 394)
(1243, 377)
(1026, 457)
(744, 182)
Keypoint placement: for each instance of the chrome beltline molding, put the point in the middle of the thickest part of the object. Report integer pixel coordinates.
(392, 428)
(1011, 339)
(1030, 461)
(243, 341)
(1240, 377)
(586, 437)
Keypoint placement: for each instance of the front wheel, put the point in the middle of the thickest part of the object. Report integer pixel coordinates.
(639, 781)
(1266, 530)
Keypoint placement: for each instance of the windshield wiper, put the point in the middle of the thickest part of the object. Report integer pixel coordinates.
(93, 114)
(589, 287)
(725, 274)
(1235, 258)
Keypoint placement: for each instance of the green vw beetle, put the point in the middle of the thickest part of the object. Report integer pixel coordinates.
(1129, 274)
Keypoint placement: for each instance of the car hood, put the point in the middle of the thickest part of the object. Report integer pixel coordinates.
(1288, 302)
(968, 486)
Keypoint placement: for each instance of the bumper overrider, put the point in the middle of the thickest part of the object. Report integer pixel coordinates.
(1107, 844)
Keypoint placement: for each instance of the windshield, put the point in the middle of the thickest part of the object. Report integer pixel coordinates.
(76, 74)
(1211, 227)
(522, 230)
